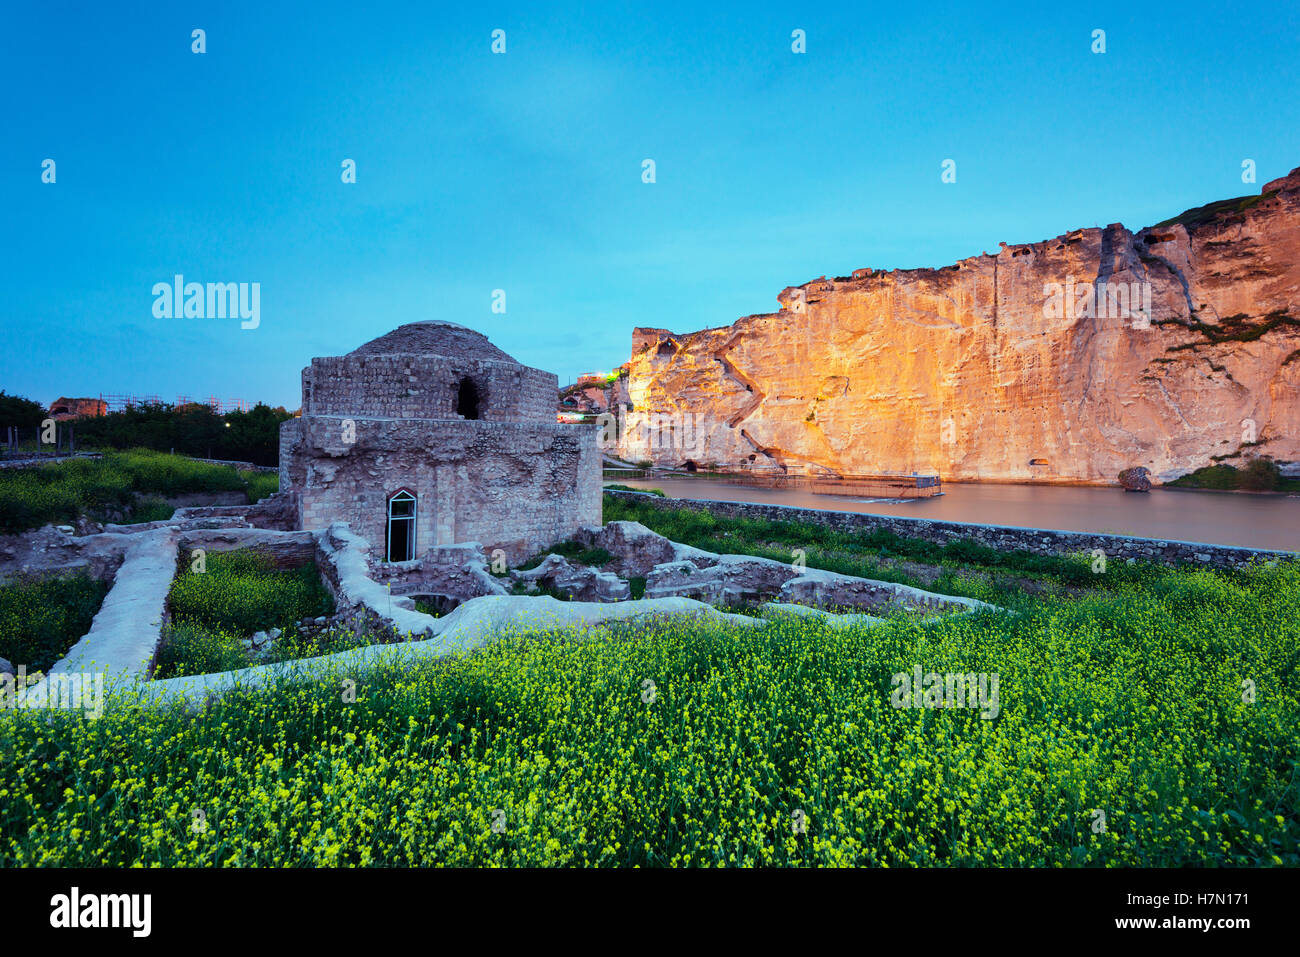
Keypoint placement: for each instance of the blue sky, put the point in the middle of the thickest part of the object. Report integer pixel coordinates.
(523, 171)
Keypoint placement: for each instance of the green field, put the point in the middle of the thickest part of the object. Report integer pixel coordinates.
(1154, 723)
(120, 486)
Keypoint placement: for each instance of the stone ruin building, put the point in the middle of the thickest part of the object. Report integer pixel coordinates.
(64, 408)
(430, 436)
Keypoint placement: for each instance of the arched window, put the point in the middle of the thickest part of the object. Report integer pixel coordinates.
(467, 399)
(401, 526)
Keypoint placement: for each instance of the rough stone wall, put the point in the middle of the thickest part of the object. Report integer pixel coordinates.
(290, 433)
(283, 549)
(961, 370)
(515, 486)
(49, 550)
(279, 511)
(1002, 537)
(425, 387)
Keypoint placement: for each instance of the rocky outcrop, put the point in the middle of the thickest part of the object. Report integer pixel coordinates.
(578, 582)
(57, 549)
(1065, 360)
(673, 570)
(637, 549)
(449, 573)
(1135, 479)
(742, 580)
(739, 581)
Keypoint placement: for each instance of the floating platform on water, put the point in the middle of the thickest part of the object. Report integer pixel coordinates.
(878, 485)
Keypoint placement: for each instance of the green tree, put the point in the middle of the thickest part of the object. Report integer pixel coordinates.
(1261, 475)
(24, 413)
(191, 429)
(199, 431)
(253, 436)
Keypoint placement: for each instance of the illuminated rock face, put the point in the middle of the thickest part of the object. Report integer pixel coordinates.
(1035, 363)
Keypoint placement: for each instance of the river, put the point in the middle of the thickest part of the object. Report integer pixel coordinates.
(1255, 521)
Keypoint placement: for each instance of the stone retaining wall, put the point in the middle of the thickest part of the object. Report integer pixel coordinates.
(236, 464)
(1002, 537)
(284, 550)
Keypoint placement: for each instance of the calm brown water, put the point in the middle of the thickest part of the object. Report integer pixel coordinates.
(1255, 521)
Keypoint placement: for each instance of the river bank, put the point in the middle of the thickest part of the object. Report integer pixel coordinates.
(1270, 522)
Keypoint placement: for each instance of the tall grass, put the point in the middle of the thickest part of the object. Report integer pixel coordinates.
(116, 486)
(260, 484)
(41, 618)
(1130, 704)
(238, 593)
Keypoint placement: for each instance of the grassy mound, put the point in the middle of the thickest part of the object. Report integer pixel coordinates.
(1258, 475)
(1201, 215)
(132, 483)
(1155, 726)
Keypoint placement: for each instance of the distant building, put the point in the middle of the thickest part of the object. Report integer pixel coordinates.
(63, 409)
(430, 435)
(592, 394)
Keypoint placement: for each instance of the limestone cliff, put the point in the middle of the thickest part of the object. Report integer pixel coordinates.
(1065, 360)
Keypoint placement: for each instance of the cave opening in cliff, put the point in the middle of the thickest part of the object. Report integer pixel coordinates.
(691, 466)
(467, 399)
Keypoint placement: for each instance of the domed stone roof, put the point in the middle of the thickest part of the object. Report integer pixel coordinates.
(434, 339)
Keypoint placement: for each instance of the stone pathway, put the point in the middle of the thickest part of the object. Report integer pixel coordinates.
(470, 626)
(125, 633)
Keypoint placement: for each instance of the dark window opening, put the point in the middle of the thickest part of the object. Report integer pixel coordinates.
(467, 399)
